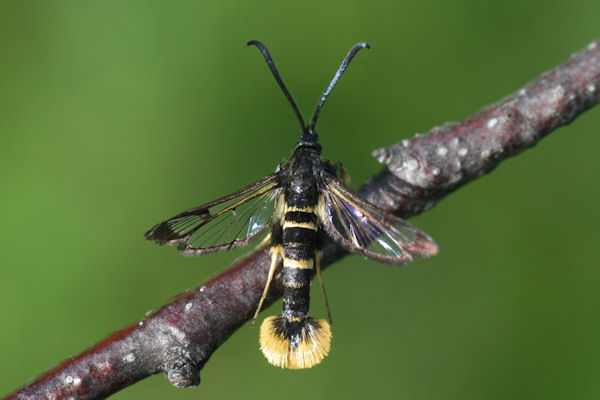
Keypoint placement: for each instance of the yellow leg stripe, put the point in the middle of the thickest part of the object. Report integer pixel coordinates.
(276, 252)
(300, 264)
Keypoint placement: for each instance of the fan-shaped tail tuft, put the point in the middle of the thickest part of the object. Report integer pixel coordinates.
(295, 344)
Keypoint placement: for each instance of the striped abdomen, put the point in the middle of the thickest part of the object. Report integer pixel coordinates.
(299, 241)
(295, 340)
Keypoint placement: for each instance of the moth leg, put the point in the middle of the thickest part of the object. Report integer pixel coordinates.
(343, 174)
(318, 255)
(275, 251)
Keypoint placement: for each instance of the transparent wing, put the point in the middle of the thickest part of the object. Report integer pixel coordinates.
(230, 221)
(361, 227)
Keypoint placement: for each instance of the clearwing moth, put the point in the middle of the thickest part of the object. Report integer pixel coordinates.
(295, 210)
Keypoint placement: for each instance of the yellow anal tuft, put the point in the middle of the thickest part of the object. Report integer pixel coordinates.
(314, 345)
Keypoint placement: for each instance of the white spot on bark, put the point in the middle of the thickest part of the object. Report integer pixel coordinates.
(141, 323)
(522, 92)
(457, 164)
(454, 142)
(412, 164)
(492, 123)
(202, 289)
(76, 381)
(405, 142)
(527, 135)
(591, 46)
(547, 104)
(188, 306)
(442, 151)
(558, 92)
(129, 358)
(435, 171)
(485, 154)
(462, 151)
(103, 365)
(178, 333)
(591, 87)
(68, 379)
(555, 97)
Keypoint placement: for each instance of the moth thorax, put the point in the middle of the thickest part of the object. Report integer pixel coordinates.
(295, 343)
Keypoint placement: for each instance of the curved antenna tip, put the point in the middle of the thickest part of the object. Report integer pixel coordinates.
(284, 89)
(355, 49)
(257, 43)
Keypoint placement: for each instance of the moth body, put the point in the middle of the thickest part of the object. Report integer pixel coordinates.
(294, 340)
(299, 207)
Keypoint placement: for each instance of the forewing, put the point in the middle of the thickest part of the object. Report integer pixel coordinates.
(230, 221)
(361, 227)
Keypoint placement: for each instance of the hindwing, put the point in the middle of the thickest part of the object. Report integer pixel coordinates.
(361, 227)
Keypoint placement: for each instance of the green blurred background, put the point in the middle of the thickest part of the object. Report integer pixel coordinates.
(115, 115)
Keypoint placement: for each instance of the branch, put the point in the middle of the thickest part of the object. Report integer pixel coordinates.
(179, 338)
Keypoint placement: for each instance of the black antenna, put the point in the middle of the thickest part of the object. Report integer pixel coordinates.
(273, 69)
(336, 77)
